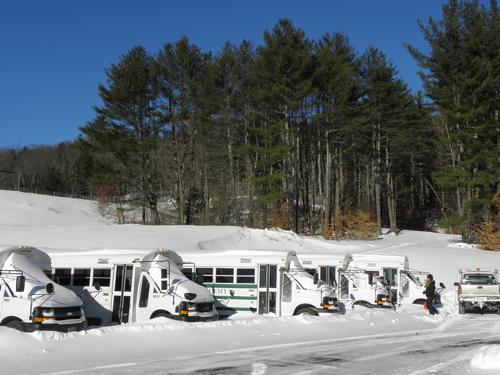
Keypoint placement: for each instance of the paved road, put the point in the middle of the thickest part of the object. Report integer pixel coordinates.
(446, 350)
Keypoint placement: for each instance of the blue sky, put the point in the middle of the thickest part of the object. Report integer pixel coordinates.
(54, 52)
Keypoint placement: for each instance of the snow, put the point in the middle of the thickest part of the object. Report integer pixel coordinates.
(487, 358)
(362, 340)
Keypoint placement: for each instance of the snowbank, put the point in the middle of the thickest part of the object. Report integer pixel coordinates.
(130, 344)
(487, 358)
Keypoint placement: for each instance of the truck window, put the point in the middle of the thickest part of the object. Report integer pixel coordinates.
(479, 279)
(144, 296)
(62, 276)
(81, 277)
(224, 275)
(245, 276)
(102, 276)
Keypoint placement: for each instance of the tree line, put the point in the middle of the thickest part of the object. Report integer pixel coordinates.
(296, 132)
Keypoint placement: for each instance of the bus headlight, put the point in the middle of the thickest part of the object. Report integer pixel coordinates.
(42, 314)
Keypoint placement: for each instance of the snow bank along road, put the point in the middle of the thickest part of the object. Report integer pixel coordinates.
(363, 341)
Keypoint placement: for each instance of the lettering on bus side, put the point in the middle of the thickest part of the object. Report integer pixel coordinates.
(159, 295)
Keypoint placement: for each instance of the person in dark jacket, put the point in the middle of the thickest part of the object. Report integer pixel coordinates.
(430, 293)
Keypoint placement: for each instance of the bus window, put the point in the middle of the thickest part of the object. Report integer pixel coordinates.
(287, 289)
(224, 275)
(62, 276)
(372, 277)
(391, 276)
(273, 271)
(81, 277)
(188, 272)
(204, 275)
(144, 296)
(245, 276)
(102, 276)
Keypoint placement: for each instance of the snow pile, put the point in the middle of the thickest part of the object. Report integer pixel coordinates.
(276, 239)
(34, 209)
(487, 358)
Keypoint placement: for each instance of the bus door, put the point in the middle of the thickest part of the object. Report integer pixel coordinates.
(268, 276)
(391, 278)
(122, 292)
(327, 274)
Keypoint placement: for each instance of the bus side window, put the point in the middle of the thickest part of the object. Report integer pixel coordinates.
(164, 279)
(81, 277)
(245, 276)
(102, 276)
(224, 275)
(144, 296)
(372, 276)
(188, 272)
(62, 276)
(287, 289)
(204, 275)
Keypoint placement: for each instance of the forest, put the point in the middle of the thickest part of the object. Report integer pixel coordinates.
(296, 133)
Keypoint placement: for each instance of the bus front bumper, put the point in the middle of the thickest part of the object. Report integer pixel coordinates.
(70, 327)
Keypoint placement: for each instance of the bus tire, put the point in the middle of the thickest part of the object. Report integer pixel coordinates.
(160, 314)
(14, 323)
(307, 311)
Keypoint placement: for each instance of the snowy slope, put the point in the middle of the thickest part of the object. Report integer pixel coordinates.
(25, 209)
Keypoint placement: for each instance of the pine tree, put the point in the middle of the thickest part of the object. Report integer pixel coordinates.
(125, 136)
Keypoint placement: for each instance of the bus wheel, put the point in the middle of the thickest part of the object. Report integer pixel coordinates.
(307, 311)
(15, 324)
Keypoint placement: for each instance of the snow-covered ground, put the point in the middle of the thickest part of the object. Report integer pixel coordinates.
(361, 341)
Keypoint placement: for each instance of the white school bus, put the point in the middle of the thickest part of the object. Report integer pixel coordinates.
(119, 286)
(30, 300)
(354, 276)
(259, 282)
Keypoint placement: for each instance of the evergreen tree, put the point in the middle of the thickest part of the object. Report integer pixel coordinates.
(126, 134)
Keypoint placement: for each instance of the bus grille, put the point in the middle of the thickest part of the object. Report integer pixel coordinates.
(66, 313)
(205, 307)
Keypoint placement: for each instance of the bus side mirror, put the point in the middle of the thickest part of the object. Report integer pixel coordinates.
(456, 283)
(50, 288)
(20, 283)
(315, 278)
(97, 286)
(442, 285)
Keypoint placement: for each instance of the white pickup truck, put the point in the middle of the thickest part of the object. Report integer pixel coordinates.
(478, 291)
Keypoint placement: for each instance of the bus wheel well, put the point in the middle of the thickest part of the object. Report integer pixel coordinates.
(10, 319)
(420, 301)
(160, 313)
(305, 308)
(362, 302)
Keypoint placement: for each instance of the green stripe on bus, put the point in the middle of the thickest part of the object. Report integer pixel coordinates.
(230, 286)
(251, 298)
